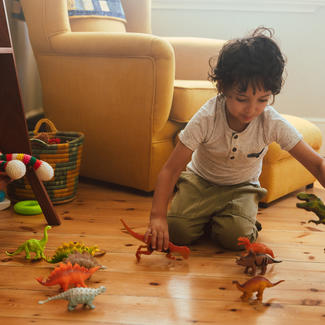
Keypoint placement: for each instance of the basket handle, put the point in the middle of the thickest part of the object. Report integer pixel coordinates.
(48, 123)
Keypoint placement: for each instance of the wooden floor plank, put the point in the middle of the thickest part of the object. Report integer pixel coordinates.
(156, 310)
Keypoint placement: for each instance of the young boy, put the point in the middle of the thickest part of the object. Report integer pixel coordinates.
(223, 147)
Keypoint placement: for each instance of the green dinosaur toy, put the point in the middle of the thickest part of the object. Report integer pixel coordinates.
(314, 204)
(33, 245)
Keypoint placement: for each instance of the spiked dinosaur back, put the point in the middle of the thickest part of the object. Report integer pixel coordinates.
(66, 274)
(68, 248)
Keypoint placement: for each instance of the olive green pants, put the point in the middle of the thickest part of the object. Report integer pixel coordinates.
(226, 212)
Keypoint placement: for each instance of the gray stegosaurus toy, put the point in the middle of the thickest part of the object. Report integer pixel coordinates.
(77, 296)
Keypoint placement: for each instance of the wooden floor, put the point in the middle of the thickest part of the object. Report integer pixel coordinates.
(158, 290)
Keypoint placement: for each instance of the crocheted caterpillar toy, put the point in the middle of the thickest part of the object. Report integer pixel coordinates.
(14, 165)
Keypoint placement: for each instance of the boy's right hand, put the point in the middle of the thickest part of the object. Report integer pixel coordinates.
(157, 234)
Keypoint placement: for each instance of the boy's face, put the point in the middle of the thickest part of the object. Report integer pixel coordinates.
(244, 106)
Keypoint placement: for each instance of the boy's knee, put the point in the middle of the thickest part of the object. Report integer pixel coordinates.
(227, 235)
(181, 233)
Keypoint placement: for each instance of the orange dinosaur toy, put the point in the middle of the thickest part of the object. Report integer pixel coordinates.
(258, 283)
(257, 248)
(66, 274)
(183, 250)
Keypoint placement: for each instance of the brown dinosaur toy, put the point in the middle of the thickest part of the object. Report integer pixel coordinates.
(256, 284)
(252, 260)
(66, 274)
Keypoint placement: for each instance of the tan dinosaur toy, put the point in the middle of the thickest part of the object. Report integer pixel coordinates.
(256, 284)
(252, 261)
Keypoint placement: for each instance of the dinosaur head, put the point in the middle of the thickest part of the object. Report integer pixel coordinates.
(186, 252)
(243, 241)
(101, 289)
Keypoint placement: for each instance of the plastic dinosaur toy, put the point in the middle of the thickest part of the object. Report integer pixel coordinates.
(66, 274)
(183, 250)
(314, 204)
(257, 248)
(84, 259)
(33, 245)
(77, 296)
(256, 284)
(252, 261)
(68, 248)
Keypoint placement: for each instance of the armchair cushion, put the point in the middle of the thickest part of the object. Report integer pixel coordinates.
(281, 173)
(310, 132)
(192, 55)
(189, 95)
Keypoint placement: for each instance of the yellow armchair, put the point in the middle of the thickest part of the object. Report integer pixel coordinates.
(117, 87)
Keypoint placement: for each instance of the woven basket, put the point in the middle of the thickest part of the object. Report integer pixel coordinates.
(64, 157)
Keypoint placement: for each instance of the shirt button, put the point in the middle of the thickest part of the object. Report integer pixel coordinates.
(232, 157)
(234, 149)
(235, 136)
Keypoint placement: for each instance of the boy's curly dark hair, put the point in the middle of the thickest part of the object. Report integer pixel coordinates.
(256, 60)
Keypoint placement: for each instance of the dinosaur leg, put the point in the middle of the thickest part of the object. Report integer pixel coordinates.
(38, 255)
(147, 251)
(27, 252)
(64, 285)
(264, 265)
(169, 255)
(90, 304)
(260, 294)
(71, 306)
(246, 295)
(82, 284)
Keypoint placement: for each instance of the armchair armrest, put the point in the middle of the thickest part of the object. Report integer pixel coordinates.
(132, 50)
(111, 44)
(192, 56)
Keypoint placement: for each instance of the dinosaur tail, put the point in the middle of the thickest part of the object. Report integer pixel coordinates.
(183, 250)
(276, 283)
(59, 296)
(275, 261)
(133, 233)
(40, 280)
(17, 251)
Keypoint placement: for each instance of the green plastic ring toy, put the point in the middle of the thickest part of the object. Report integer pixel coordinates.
(28, 207)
